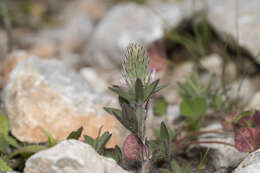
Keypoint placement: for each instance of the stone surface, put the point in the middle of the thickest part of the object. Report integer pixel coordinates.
(48, 95)
(245, 89)
(72, 31)
(222, 156)
(251, 164)
(71, 156)
(11, 61)
(127, 23)
(255, 102)
(244, 26)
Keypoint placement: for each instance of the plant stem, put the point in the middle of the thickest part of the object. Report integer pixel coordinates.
(7, 25)
(197, 133)
(207, 142)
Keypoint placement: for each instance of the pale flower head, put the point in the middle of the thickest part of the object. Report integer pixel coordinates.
(136, 65)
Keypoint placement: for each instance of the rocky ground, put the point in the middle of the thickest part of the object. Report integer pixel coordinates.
(56, 78)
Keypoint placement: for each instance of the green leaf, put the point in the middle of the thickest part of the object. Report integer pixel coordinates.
(129, 118)
(175, 166)
(116, 112)
(31, 149)
(139, 90)
(12, 141)
(193, 107)
(4, 125)
(150, 89)
(3, 144)
(114, 153)
(122, 93)
(75, 134)
(163, 170)
(159, 88)
(124, 121)
(103, 140)
(89, 140)
(160, 106)
(4, 166)
(164, 134)
(243, 114)
(51, 140)
(218, 103)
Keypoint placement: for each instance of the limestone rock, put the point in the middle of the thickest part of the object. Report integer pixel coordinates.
(75, 27)
(48, 95)
(222, 156)
(127, 23)
(255, 102)
(247, 19)
(251, 164)
(11, 61)
(71, 156)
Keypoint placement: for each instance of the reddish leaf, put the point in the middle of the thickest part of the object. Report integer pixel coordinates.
(244, 140)
(238, 120)
(256, 118)
(157, 56)
(257, 138)
(247, 139)
(131, 147)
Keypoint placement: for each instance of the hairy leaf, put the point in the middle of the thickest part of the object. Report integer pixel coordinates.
(122, 93)
(75, 134)
(89, 140)
(103, 141)
(164, 134)
(129, 117)
(150, 89)
(114, 153)
(139, 90)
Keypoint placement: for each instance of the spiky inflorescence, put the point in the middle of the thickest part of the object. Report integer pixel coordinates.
(136, 65)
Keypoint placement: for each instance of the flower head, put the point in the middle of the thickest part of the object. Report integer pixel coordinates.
(136, 66)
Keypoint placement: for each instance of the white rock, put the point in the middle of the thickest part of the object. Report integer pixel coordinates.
(255, 102)
(244, 26)
(127, 23)
(251, 164)
(244, 89)
(71, 156)
(48, 95)
(222, 156)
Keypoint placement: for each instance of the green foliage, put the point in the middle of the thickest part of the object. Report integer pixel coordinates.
(137, 1)
(197, 98)
(174, 167)
(161, 148)
(194, 110)
(99, 144)
(5, 139)
(51, 141)
(27, 151)
(75, 134)
(114, 153)
(196, 43)
(138, 87)
(4, 166)
(160, 106)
